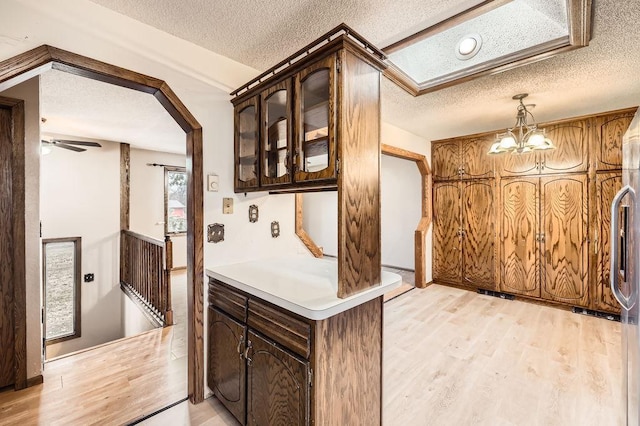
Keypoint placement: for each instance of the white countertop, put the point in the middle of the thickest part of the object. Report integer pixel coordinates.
(304, 285)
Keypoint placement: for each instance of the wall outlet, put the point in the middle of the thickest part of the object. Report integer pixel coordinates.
(227, 206)
(212, 183)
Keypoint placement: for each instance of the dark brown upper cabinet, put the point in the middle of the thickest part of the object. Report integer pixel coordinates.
(315, 95)
(319, 111)
(462, 158)
(276, 135)
(246, 143)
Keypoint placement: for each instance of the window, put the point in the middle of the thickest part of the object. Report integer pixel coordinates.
(175, 200)
(61, 281)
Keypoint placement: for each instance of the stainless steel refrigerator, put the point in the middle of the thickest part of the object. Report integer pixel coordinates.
(625, 262)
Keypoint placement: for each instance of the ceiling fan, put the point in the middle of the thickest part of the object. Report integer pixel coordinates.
(67, 144)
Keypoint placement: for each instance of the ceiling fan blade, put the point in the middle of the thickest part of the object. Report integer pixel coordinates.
(81, 143)
(69, 147)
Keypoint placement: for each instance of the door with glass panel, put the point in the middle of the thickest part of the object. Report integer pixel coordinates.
(315, 89)
(276, 135)
(61, 262)
(246, 144)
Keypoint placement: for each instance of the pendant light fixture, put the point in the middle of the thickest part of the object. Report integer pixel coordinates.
(523, 137)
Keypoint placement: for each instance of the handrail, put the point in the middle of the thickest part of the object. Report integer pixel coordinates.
(342, 29)
(145, 269)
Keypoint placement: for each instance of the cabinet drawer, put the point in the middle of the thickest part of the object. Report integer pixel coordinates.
(290, 332)
(229, 301)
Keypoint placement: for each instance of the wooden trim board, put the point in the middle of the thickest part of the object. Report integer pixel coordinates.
(36, 61)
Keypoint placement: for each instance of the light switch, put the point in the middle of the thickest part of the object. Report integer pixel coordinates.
(227, 206)
(212, 183)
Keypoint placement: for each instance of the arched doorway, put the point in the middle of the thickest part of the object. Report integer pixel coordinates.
(43, 58)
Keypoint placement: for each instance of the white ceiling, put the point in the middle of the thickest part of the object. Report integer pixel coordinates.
(600, 77)
(77, 107)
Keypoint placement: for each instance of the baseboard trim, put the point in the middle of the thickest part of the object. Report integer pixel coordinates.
(179, 268)
(35, 380)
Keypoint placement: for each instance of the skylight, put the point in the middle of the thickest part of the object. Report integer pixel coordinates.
(490, 37)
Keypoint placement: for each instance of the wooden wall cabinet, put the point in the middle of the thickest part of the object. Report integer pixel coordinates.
(608, 132)
(464, 227)
(462, 159)
(308, 114)
(552, 215)
(571, 153)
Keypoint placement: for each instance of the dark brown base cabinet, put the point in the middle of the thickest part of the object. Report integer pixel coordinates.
(268, 366)
(550, 210)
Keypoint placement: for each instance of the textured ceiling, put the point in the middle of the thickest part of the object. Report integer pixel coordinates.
(77, 107)
(599, 77)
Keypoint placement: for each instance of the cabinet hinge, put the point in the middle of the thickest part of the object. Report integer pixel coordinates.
(338, 64)
(337, 166)
(310, 377)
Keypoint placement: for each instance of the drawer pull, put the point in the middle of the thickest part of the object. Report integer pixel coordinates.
(239, 348)
(246, 353)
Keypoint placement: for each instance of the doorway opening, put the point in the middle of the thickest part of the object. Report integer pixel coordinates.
(43, 58)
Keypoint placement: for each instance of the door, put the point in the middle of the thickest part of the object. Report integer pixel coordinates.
(246, 127)
(478, 234)
(315, 106)
(476, 163)
(276, 134)
(608, 184)
(227, 371)
(517, 165)
(564, 247)
(571, 152)
(277, 385)
(445, 158)
(7, 339)
(447, 232)
(519, 249)
(608, 133)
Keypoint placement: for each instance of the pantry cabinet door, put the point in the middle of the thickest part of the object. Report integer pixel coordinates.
(447, 250)
(478, 234)
(571, 152)
(608, 184)
(564, 216)
(519, 248)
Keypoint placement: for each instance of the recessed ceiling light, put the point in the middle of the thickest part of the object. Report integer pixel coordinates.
(468, 46)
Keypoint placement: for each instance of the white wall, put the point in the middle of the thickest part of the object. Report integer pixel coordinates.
(401, 194)
(200, 78)
(401, 210)
(29, 92)
(147, 197)
(80, 197)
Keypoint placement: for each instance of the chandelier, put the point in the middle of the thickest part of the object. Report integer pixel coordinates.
(522, 137)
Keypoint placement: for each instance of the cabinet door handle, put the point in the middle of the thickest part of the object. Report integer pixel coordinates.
(246, 352)
(286, 162)
(239, 348)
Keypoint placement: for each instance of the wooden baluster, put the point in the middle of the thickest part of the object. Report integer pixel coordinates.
(168, 265)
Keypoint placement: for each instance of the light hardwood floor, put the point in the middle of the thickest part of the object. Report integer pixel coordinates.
(451, 357)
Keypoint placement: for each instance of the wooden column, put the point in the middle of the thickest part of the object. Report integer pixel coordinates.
(359, 176)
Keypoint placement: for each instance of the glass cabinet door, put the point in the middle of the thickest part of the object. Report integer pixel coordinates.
(315, 149)
(276, 159)
(246, 137)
